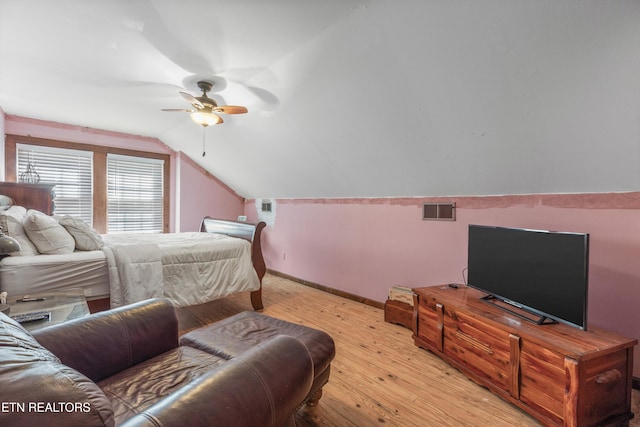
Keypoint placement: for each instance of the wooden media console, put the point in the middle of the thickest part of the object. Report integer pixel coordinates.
(559, 374)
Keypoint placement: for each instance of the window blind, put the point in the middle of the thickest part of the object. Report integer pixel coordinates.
(70, 170)
(134, 194)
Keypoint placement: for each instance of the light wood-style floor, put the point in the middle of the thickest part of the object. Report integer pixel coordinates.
(378, 378)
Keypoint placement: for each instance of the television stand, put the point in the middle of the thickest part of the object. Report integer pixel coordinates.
(561, 375)
(519, 311)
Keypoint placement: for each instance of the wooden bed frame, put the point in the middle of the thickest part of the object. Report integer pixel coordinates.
(247, 231)
(38, 196)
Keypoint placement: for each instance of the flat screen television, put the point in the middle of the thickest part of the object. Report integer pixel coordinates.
(541, 272)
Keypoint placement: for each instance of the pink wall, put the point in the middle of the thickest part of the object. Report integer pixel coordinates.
(202, 194)
(199, 193)
(17, 125)
(365, 246)
(2, 119)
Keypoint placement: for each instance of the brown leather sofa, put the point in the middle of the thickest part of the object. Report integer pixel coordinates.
(126, 367)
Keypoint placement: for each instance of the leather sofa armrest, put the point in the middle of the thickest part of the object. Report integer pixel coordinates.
(261, 387)
(104, 343)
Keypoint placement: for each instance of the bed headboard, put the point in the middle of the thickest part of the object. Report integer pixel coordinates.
(30, 196)
(243, 230)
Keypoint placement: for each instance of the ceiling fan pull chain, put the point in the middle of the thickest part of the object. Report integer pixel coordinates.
(204, 153)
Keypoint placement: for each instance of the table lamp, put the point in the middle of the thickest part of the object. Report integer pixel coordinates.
(7, 243)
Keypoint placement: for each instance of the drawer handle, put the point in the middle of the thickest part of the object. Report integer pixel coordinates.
(474, 342)
(609, 376)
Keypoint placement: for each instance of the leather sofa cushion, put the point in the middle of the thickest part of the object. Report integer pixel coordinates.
(137, 388)
(18, 345)
(261, 387)
(31, 376)
(236, 334)
(111, 341)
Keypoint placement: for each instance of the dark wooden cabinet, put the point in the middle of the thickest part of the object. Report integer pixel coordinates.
(559, 374)
(31, 196)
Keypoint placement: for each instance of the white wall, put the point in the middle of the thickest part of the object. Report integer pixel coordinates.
(413, 98)
(362, 98)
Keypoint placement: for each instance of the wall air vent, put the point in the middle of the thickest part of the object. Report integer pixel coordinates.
(266, 206)
(439, 211)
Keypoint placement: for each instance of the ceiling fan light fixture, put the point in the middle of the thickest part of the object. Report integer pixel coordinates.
(204, 118)
(205, 108)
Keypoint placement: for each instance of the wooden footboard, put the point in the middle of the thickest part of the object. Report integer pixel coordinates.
(247, 231)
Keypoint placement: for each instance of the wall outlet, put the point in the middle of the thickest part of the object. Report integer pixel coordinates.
(242, 218)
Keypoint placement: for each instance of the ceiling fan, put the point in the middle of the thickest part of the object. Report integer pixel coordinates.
(206, 110)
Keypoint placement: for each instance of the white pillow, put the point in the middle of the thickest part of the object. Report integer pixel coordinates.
(49, 237)
(87, 239)
(11, 222)
(5, 201)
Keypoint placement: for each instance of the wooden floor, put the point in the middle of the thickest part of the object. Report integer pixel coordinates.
(378, 378)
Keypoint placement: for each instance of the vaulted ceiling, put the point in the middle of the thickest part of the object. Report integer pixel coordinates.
(348, 98)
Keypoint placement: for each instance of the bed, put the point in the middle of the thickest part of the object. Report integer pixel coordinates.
(224, 257)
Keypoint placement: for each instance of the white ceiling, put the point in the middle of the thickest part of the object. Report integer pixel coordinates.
(349, 98)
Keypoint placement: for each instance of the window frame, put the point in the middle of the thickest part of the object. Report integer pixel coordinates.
(99, 172)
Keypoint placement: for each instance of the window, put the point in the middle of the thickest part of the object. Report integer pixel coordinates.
(134, 194)
(70, 170)
(79, 171)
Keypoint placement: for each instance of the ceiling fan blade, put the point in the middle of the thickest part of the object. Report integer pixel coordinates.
(231, 109)
(185, 56)
(265, 96)
(192, 99)
(178, 109)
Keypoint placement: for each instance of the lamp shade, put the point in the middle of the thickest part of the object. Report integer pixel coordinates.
(205, 118)
(8, 244)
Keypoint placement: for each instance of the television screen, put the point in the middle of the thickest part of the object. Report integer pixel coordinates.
(540, 271)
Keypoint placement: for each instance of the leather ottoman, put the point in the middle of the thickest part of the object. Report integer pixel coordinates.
(236, 334)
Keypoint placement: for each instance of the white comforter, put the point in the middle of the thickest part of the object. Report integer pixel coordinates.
(188, 268)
